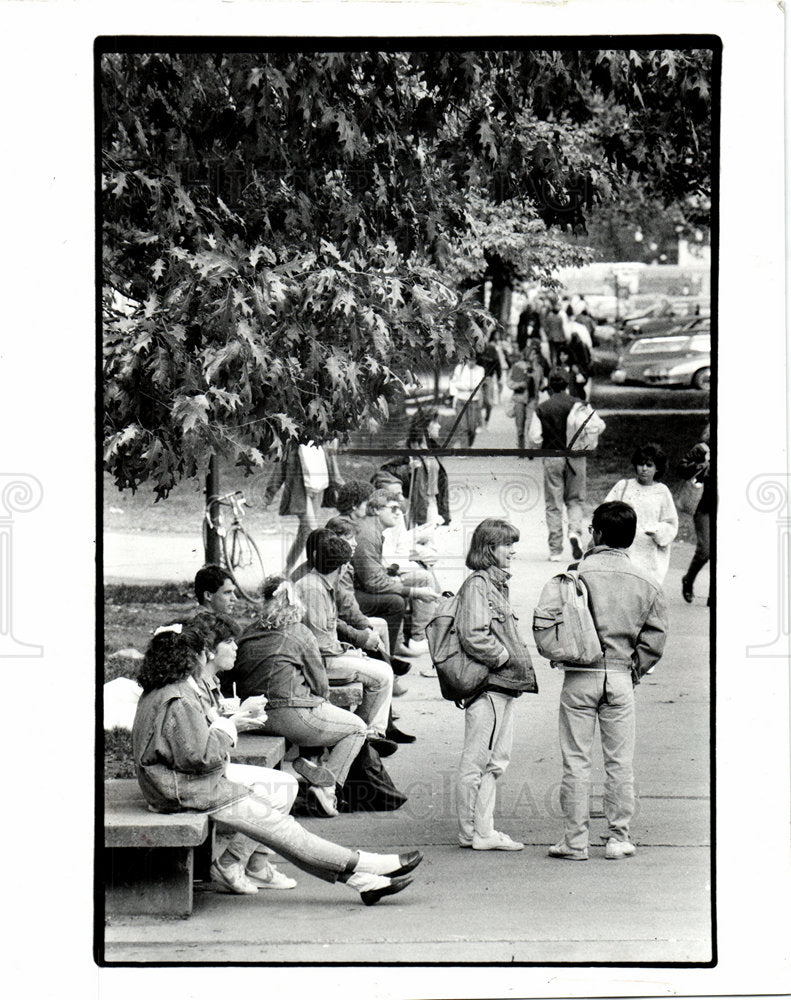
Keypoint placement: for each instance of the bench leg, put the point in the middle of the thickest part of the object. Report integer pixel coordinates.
(148, 881)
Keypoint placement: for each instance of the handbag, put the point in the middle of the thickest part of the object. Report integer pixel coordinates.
(689, 496)
(510, 409)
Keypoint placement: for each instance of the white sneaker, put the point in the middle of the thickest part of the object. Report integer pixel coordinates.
(325, 799)
(562, 850)
(417, 647)
(618, 849)
(403, 651)
(231, 879)
(496, 841)
(270, 877)
(556, 557)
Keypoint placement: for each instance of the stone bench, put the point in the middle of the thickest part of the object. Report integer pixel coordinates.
(347, 696)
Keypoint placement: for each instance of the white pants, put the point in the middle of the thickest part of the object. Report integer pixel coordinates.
(488, 737)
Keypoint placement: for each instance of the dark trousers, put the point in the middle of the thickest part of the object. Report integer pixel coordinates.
(701, 557)
(391, 607)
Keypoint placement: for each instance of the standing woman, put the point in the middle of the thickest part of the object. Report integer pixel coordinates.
(488, 633)
(463, 383)
(695, 465)
(657, 519)
(181, 755)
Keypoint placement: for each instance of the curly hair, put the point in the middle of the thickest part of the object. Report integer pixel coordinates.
(351, 495)
(171, 656)
(278, 608)
(213, 628)
(651, 452)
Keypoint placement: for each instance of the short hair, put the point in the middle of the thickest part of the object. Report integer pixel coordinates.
(341, 526)
(558, 379)
(485, 539)
(418, 428)
(209, 579)
(216, 628)
(379, 498)
(651, 452)
(351, 494)
(326, 551)
(617, 523)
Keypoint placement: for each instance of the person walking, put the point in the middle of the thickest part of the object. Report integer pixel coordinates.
(554, 324)
(564, 478)
(464, 381)
(487, 632)
(696, 465)
(652, 502)
(630, 616)
(524, 381)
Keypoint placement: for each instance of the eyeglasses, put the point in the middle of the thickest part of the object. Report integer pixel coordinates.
(392, 506)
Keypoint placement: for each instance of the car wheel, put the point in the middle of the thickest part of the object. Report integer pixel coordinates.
(702, 379)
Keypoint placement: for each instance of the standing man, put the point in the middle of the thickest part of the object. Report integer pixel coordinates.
(214, 590)
(631, 621)
(556, 331)
(564, 478)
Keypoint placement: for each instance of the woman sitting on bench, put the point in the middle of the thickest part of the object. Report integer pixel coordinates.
(181, 753)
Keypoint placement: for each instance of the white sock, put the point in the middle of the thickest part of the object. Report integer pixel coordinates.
(363, 881)
(377, 864)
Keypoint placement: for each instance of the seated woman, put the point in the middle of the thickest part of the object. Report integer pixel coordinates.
(181, 755)
(279, 657)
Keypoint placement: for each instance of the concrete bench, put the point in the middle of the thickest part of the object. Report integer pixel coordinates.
(347, 696)
(259, 749)
(149, 861)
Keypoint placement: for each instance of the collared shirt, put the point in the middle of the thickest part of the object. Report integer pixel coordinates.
(321, 613)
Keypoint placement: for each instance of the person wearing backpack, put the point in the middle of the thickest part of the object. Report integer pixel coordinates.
(487, 633)
(630, 617)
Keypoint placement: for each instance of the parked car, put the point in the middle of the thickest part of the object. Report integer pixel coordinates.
(682, 357)
(664, 315)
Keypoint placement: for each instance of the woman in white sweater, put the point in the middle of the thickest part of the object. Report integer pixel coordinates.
(657, 520)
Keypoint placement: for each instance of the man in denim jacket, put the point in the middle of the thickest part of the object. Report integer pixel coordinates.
(629, 611)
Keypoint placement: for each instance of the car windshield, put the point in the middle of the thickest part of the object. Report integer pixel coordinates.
(658, 345)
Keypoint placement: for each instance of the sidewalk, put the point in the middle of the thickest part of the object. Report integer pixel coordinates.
(467, 906)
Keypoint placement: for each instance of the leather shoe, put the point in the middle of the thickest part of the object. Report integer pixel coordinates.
(408, 863)
(383, 746)
(395, 734)
(686, 590)
(371, 896)
(399, 688)
(400, 667)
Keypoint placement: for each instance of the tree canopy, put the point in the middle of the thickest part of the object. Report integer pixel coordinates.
(288, 236)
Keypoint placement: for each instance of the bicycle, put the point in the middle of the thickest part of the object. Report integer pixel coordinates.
(240, 553)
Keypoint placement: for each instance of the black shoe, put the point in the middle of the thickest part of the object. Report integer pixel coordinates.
(394, 733)
(384, 747)
(686, 590)
(372, 896)
(408, 863)
(576, 548)
(400, 667)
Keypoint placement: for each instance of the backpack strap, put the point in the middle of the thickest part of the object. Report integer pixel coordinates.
(580, 429)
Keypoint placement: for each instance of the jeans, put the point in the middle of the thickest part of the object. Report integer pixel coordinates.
(488, 736)
(523, 411)
(391, 607)
(420, 612)
(702, 522)
(377, 681)
(258, 821)
(609, 696)
(308, 521)
(564, 483)
(323, 725)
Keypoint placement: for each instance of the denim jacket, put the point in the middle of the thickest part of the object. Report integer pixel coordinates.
(487, 628)
(628, 609)
(180, 758)
(284, 664)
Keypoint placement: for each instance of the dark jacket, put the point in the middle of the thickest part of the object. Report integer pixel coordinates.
(288, 474)
(487, 629)
(284, 664)
(414, 484)
(695, 466)
(180, 758)
(553, 414)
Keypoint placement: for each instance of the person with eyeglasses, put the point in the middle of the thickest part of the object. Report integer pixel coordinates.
(377, 592)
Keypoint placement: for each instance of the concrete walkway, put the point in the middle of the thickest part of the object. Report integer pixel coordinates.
(469, 906)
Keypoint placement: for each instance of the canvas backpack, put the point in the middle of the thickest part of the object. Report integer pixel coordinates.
(563, 626)
(461, 678)
(584, 427)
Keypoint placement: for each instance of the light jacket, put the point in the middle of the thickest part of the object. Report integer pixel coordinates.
(285, 665)
(628, 609)
(179, 754)
(487, 630)
(369, 574)
(288, 474)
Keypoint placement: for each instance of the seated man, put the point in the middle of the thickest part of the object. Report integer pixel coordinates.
(215, 590)
(351, 500)
(327, 554)
(373, 583)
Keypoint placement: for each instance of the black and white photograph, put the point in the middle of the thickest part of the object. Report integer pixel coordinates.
(438, 569)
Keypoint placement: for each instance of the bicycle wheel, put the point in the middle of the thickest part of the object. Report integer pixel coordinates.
(244, 562)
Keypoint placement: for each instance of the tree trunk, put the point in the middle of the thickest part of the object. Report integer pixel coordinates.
(213, 552)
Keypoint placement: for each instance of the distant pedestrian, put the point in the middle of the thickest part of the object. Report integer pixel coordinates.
(652, 502)
(695, 465)
(631, 621)
(524, 380)
(487, 632)
(554, 324)
(490, 359)
(464, 382)
(310, 478)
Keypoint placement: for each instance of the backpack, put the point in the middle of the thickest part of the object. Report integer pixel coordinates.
(563, 626)
(461, 678)
(584, 427)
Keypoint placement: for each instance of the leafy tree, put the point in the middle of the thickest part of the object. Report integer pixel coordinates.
(288, 237)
